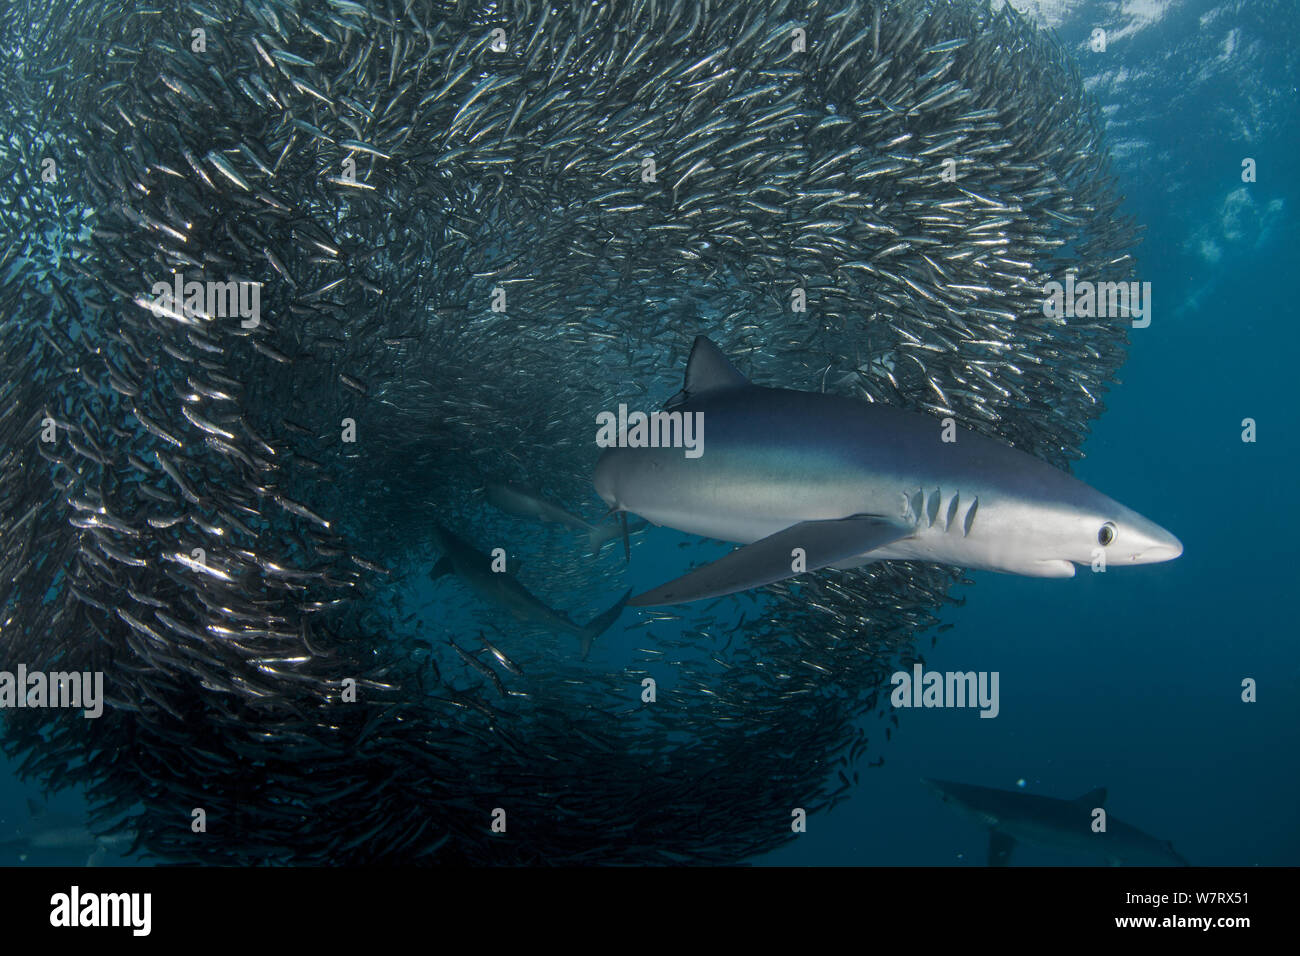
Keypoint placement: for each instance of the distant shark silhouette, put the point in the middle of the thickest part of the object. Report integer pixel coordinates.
(61, 833)
(474, 567)
(525, 502)
(1064, 825)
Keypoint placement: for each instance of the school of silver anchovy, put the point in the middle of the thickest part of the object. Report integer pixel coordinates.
(491, 160)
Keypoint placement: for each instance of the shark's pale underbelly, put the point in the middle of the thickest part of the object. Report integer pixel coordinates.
(937, 530)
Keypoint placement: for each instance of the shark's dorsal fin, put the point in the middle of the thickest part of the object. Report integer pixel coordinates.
(1093, 798)
(707, 370)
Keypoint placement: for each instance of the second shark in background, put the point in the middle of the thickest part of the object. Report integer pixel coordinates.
(1062, 825)
(525, 502)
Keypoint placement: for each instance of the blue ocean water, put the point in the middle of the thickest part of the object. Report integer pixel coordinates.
(1133, 679)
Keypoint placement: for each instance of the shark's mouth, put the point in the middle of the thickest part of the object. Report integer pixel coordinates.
(465, 253)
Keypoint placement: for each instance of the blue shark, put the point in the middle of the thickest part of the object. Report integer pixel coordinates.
(807, 480)
(1063, 825)
(474, 568)
(54, 836)
(524, 502)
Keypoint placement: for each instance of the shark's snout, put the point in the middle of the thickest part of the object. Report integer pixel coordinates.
(1160, 552)
(935, 787)
(1156, 545)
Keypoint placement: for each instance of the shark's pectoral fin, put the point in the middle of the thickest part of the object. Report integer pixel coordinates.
(773, 559)
(857, 561)
(1000, 847)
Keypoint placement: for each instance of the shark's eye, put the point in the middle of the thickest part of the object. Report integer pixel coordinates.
(1106, 535)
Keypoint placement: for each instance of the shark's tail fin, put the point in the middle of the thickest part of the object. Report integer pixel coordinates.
(600, 624)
